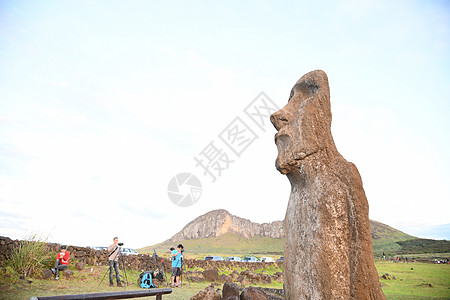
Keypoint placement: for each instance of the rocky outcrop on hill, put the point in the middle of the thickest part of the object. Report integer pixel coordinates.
(218, 222)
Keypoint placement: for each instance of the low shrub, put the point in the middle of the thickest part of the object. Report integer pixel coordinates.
(30, 256)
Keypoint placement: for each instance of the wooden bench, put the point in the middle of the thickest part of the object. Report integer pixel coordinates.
(111, 295)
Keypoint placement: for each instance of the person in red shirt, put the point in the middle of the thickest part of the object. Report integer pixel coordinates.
(62, 261)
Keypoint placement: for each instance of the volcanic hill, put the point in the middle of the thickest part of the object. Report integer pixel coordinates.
(219, 232)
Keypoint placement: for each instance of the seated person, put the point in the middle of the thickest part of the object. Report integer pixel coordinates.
(62, 261)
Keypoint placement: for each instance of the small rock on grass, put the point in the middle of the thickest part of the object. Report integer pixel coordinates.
(208, 293)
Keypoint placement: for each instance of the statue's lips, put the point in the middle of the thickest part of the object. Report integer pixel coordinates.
(280, 136)
(277, 136)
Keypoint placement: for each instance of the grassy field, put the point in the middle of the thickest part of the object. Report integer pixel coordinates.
(89, 282)
(413, 281)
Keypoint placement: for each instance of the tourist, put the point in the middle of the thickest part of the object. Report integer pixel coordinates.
(62, 261)
(113, 260)
(176, 256)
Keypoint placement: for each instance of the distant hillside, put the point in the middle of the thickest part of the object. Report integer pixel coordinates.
(385, 238)
(226, 244)
(218, 222)
(219, 232)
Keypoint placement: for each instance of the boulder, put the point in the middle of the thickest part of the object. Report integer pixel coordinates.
(209, 293)
(46, 273)
(67, 273)
(211, 275)
(326, 226)
(225, 278)
(196, 278)
(230, 289)
(252, 293)
(244, 282)
(79, 265)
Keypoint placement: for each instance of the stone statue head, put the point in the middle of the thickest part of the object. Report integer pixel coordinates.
(304, 123)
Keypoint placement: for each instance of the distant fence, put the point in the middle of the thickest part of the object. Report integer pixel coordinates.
(139, 262)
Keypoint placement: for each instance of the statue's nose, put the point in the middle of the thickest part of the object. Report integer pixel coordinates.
(280, 119)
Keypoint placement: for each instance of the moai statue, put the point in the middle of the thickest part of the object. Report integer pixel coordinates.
(328, 245)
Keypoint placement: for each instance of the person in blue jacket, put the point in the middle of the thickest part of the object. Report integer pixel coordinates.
(176, 256)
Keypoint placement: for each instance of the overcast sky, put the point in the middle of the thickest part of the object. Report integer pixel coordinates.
(102, 103)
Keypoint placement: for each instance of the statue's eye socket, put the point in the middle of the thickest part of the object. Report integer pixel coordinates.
(292, 94)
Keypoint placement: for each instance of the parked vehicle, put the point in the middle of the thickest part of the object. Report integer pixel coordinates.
(128, 251)
(233, 258)
(250, 259)
(100, 248)
(214, 258)
(280, 259)
(267, 259)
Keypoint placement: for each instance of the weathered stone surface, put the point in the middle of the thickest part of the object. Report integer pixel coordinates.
(67, 273)
(231, 298)
(46, 273)
(225, 278)
(252, 293)
(208, 293)
(211, 275)
(234, 277)
(79, 265)
(230, 289)
(328, 245)
(196, 278)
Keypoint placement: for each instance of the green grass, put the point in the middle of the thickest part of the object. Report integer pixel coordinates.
(89, 282)
(413, 284)
(29, 256)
